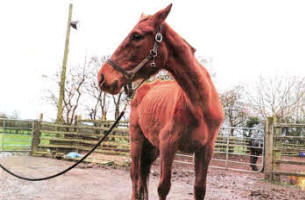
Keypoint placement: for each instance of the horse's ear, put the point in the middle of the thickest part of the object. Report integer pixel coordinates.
(160, 16)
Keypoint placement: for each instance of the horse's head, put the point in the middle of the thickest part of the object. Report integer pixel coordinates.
(140, 55)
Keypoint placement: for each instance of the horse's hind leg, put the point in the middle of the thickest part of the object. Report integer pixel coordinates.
(202, 160)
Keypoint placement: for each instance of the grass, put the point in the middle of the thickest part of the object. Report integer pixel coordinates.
(10, 141)
(240, 149)
(15, 142)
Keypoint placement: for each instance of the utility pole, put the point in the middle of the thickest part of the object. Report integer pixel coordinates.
(59, 118)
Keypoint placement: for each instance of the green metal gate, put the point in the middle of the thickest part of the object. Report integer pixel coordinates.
(15, 135)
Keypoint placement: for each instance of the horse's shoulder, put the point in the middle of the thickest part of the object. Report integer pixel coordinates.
(140, 93)
(144, 89)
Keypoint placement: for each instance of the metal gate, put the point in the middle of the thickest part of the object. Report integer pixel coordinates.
(236, 148)
(15, 135)
(239, 149)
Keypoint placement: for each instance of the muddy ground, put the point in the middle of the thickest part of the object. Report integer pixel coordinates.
(93, 182)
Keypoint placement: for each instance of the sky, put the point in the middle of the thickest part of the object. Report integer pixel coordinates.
(244, 38)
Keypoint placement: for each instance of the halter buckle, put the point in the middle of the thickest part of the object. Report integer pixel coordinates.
(159, 37)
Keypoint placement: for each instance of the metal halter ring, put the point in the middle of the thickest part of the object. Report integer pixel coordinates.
(153, 64)
(158, 37)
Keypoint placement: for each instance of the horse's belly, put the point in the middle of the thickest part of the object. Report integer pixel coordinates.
(189, 132)
(156, 110)
(164, 108)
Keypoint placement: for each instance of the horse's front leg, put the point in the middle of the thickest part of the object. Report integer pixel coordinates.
(136, 145)
(168, 148)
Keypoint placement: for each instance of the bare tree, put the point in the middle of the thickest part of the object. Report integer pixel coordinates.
(74, 86)
(99, 110)
(117, 99)
(100, 106)
(73, 92)
(234, 107)
(283, 97)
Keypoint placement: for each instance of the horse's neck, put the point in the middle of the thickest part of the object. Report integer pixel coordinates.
(190, 75)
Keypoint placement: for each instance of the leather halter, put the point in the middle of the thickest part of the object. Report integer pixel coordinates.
(130, 74)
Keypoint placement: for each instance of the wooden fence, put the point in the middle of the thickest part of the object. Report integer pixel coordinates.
(62, 137)
(57, 140)
(284, 144)
(284, 153)
(49, 139)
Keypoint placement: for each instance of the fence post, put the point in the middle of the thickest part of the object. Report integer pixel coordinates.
(268, 148)
(227, 151)
(35, 137)
(276, 152)
(77, 130)
(3, 134)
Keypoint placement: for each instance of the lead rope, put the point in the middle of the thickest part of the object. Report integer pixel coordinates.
(79, 161)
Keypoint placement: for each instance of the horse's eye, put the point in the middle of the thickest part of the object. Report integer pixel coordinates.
(136, 36)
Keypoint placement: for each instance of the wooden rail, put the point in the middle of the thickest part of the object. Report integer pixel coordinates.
(278, 173)
(285, 125)
(291, 162)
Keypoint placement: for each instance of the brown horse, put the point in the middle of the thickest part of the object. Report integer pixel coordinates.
(166, 116)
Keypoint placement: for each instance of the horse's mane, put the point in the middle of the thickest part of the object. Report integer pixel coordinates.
(190, 46)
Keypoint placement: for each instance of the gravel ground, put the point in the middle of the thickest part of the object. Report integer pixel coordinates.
(92, 182)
